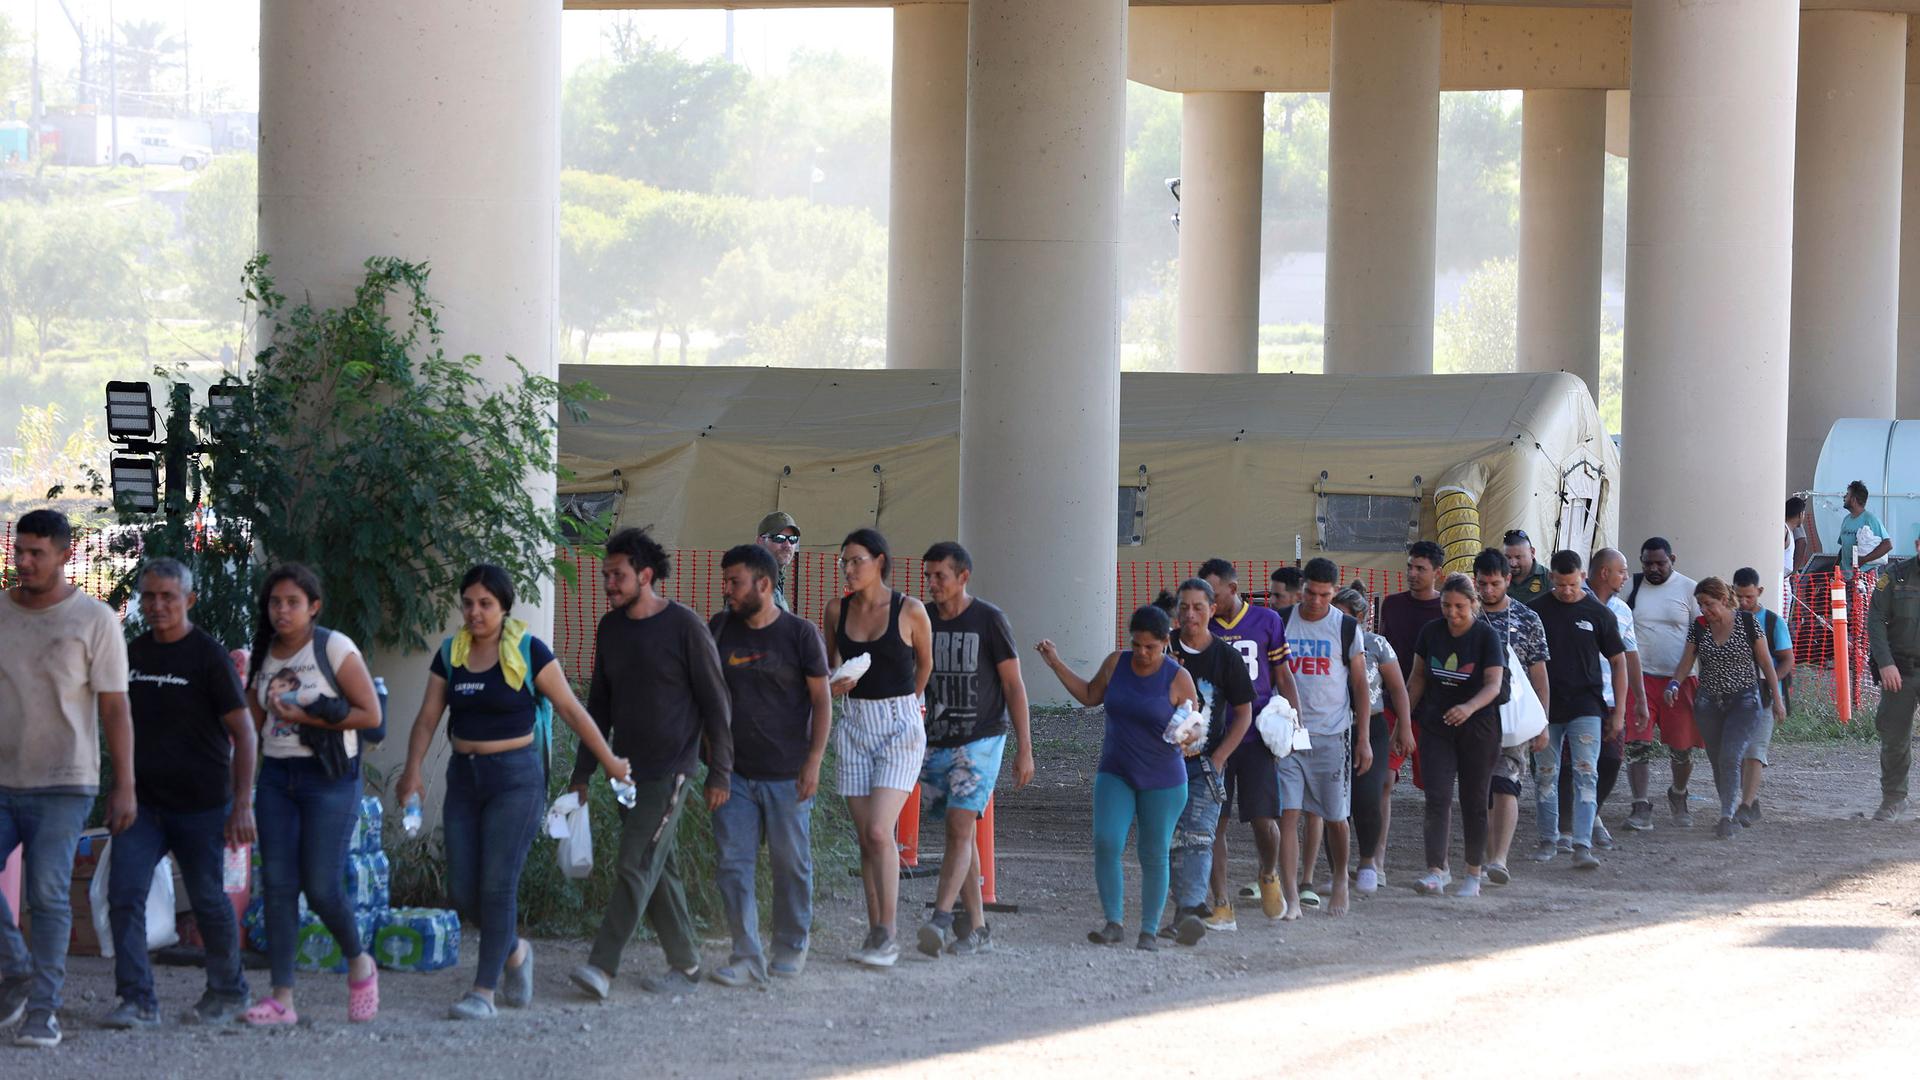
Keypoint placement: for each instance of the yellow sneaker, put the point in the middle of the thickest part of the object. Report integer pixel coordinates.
(1222, 919)
(1271, 902)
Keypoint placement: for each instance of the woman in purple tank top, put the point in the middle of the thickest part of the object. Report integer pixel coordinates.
(1141, 774)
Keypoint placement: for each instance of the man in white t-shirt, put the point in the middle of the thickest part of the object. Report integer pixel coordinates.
(63, 680)
(1328, 663)
(1663, 610)
(1608, 579)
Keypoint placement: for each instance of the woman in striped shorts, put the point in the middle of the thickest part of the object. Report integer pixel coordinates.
(882, 736)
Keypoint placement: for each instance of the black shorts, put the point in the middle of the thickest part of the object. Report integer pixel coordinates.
(1252, 783)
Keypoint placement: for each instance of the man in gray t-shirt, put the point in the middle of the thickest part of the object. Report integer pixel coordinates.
(63, 679)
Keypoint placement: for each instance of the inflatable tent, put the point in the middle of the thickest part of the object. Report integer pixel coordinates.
(1243, 466)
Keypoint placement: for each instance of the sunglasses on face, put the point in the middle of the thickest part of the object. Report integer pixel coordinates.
(784, 538)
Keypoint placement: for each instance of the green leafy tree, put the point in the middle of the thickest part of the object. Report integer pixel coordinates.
(1293, 198)
(1478, 333)
(222, 218)
(71, 261)
(657, 117)
(819, 131)
(361, 448)
(1479, 184)
(145, 51)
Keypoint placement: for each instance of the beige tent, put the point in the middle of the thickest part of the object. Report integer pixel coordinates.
(1244, 466)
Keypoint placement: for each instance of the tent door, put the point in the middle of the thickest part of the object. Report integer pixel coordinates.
(1579, 510)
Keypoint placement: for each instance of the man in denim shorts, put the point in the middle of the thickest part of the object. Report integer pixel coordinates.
(974, 695)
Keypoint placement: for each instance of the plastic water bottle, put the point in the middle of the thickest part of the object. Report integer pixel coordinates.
(410, 817)
(236, 868)
(626, 792)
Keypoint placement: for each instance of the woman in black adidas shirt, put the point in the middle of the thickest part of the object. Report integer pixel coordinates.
(1457, 677)
(494, 679)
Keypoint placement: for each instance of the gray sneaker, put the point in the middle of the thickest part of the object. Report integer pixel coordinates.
(516, 983)
(1602, 839)
(1677, 803)
(592, 981)
(974, 944)
(216, 1009)
(883, 955)
(933, 935)
(127, 1016)
(671, 981)
(1640, 818)
(40, 1029)
(1891, 810)
(1726, 829)
(787, 963)
(472, 1006)
(1544, 851)
(1584, 859)
(13, 998)
(1564, 842)
(744, 971)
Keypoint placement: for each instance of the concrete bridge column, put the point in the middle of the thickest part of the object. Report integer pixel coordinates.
(1908, 348)
(1383, 169)
(1563, 135)
(1220, 170)
(1709, 273)
(428, 130)
(1040, 352)
(1846, 213)
(926, 200)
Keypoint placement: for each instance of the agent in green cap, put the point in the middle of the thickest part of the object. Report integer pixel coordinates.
(781, 536)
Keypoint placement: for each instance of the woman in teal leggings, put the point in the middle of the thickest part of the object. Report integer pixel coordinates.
(1141, 774)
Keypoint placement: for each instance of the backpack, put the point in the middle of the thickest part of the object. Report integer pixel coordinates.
(374, 735)
(1349, 630)
(542, 705)
(1634, 593)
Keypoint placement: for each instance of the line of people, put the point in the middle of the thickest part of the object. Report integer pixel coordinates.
(746, 698)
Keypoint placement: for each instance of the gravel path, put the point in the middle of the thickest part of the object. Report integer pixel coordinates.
(1789, 950)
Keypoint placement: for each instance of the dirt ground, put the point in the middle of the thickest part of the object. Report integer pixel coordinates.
(1790, 950)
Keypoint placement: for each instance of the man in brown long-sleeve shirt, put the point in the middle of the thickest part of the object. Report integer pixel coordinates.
(657, 693)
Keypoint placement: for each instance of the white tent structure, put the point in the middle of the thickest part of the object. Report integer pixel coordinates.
(1252, 467)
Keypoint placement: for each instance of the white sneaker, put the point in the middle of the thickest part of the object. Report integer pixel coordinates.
(1367, 881)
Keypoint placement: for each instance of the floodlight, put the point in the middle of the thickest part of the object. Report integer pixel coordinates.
(136, 484)
(223, 400)
(129, 411)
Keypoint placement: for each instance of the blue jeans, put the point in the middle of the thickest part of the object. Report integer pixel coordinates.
(493, 808)
(1585, 733)
(771, 809)
(306, 821)
(49, 826)
(1193, 846)
(198, 842)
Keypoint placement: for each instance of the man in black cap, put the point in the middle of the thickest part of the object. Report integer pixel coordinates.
(781, 536)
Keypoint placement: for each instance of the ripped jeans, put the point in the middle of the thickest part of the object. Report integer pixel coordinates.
(1193, 846)
(1583, 735)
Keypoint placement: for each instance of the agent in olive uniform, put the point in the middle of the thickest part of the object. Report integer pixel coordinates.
(1893, 627)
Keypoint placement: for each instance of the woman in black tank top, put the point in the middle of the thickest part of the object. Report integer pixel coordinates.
(892, 672)
(880, 738)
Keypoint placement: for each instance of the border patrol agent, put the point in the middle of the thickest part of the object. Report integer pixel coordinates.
(1893, 629)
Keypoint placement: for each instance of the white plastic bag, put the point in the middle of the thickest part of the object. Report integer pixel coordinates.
(567, 822)
(1280, 728)
(161, 931)
(851, 668)
(1523, 717)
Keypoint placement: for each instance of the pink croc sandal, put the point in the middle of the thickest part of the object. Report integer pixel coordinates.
(268, 1012)
(363, 998)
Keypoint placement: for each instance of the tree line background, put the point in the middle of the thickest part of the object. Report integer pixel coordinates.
(710, 214)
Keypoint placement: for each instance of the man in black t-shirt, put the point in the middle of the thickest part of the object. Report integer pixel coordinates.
(193, 753)
(775, 666)
(1582, 635)
(1226, 700)
(974, 695)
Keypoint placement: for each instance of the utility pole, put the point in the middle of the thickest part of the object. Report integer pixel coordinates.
(33, 92)
(113, 88)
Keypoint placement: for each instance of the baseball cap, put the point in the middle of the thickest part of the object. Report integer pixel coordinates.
(775, 522)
